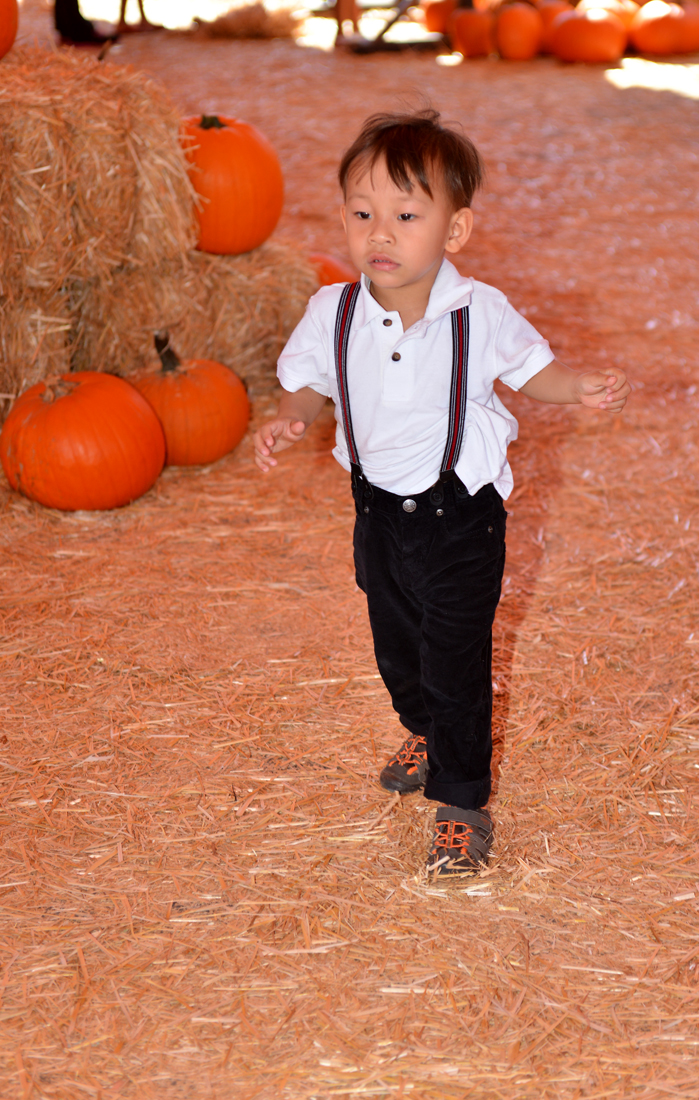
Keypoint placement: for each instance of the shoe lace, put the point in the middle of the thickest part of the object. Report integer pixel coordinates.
(411, 754)
(453, 834)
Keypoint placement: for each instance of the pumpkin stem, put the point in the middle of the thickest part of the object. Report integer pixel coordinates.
(211, 122)
(57, 386)
(169, 358)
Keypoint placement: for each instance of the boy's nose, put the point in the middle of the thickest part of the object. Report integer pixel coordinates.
(380, 233)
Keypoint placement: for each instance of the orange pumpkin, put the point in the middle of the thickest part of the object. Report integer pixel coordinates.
(656, 28)
(472, 32)
(332, 270)
(548, 10)
(519, 32)
(237, 173)
(202, 406)
(688, 29)
(82, 441)
(8, 25)
(623, 9)
(438, 14)
(593, 36)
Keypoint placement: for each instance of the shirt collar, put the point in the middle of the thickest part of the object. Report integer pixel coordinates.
(450, 291)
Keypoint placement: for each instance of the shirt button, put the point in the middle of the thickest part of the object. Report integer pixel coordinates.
(388, 322)
(396, 356)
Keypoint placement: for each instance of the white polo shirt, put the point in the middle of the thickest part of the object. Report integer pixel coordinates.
(400, 409)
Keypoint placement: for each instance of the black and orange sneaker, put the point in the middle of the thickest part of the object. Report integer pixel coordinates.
(407, 770)
(461, 842)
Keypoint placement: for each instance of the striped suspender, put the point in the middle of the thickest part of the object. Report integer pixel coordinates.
(457, 397)
(345, 313)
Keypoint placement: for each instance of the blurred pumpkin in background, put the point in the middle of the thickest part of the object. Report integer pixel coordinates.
(688, 29)
(437, 15)
(472, 32)
(548, 10)
(594, 36)
(519, 32)
(655, 28)
(623, 9)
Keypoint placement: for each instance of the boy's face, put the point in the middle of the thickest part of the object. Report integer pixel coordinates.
(398, 238)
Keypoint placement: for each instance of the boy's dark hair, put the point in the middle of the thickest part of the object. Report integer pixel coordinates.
(414, 146)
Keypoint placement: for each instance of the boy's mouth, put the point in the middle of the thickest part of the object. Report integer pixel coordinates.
(383, 263)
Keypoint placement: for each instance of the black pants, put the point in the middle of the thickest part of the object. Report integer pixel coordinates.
(70, 23)
(432, 579)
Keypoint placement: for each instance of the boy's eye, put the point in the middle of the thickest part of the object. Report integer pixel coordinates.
(406, 217)
(363, 215)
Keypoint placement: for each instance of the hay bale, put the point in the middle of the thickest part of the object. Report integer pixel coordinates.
(257, 300)
(238, 310)
(97, 230)
(35, 337)
(92, 175)
(251, 21)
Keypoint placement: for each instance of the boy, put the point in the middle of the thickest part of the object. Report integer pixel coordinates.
(409, 357)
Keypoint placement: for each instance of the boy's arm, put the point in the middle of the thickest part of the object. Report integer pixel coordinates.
(296, 412)
(559, 385)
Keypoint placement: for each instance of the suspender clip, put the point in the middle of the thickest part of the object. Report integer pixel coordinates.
(448, 475)
(451, 475)
(360, 483)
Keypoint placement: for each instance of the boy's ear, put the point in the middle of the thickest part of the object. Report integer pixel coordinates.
(460, 229)
(343, 215)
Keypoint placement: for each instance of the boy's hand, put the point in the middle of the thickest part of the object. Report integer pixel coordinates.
(557, 384)
(276, 436)
(605, 390)
(297, 411)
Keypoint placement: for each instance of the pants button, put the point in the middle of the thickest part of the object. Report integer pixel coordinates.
(440, 511)
(409, 505)
(366, 511)
(490, 530)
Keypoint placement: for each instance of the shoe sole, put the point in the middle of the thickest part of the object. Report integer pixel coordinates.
(395, 785)
(441, 870)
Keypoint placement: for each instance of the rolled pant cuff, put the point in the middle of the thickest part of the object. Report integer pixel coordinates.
(467, 796)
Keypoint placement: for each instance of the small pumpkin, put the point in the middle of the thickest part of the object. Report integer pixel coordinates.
(203, 406)
(593, 36)
(438, 14)
(472, 32)
(548, 10)
(236, 171)
(656, 28)
(82, 441)
(331, 269)
(519, 32)
(623, 9)
(9, 18)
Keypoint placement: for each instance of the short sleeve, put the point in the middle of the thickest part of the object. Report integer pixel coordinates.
(520, 350)
(305, 359)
